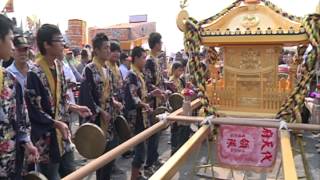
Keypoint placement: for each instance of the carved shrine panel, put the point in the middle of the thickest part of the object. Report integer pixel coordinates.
(250, 76)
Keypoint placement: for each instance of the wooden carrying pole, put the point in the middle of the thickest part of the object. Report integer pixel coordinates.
(289, 169)
(116, 152)
(124, 147)
(268, 123)
(169, 169)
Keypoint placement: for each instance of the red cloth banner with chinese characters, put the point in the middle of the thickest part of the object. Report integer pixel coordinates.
(247, 148)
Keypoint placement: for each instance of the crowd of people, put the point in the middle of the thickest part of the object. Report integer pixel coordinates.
(42, 93)
(38, 101)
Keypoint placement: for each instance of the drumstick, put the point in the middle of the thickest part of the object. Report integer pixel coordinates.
(69, 146)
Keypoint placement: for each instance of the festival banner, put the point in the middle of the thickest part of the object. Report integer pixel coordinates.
(247, 148)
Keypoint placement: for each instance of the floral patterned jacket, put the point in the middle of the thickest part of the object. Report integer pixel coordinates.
(154, 71)
(14, 126)
(91, 91)
(41, 108)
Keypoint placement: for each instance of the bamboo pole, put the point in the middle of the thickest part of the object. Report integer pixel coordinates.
(175, 116)
(124, 147)
(169, 169)
(289, 169)
(270, 123)
(304, 159)
(114, 153)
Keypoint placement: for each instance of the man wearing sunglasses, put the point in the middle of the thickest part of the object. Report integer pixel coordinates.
(48, 105)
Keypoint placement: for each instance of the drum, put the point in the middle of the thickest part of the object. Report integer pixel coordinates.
(90, 140)
(34, 175)
(176, 101)
(122, 128)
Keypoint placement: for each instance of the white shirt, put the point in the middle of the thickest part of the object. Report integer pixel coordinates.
(22, 79)
(69, 77)
(124, 71)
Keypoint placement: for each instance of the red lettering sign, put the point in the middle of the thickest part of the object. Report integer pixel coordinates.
(248, 148)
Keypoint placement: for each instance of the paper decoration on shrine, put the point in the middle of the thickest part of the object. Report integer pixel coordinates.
(247, 148)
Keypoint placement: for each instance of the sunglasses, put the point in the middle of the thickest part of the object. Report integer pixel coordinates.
(58, 40)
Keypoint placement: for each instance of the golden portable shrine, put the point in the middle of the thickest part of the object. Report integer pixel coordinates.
(250, 35)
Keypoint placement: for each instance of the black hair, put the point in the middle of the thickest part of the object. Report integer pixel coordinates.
(84, 53)
(76, 52)
(154, 38)
(14, 21)
(6, 26)
(176, 65)
(98, 40)
(45, 34)
(137, 52)
(184, 62)
(114, 46)
(123, 57)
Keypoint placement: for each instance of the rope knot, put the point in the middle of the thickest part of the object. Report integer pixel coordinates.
(163, 117)
(283, 125)
(208, 121)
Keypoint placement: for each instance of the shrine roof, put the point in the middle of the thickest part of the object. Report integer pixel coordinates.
(260, 22)
(254, 23)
